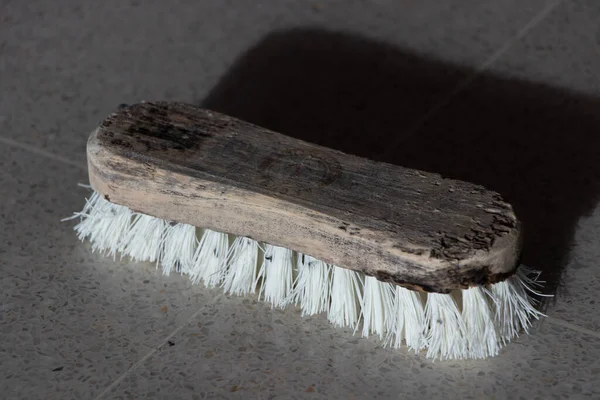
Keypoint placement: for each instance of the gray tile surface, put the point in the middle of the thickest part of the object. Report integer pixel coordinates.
(76, 325)
(563, 50)
(577, 300)
(66, 65)
(240, 349)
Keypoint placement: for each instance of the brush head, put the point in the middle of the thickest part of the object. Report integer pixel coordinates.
(400, 254)
(406, 227)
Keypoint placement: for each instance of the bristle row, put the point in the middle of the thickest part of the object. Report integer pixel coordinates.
(473, 323)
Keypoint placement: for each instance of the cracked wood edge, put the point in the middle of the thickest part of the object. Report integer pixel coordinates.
(412, 228)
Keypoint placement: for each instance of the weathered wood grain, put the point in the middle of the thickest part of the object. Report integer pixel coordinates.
(415, 229)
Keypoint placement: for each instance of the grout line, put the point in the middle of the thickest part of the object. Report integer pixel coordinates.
(42, 152)
(409, 132)
(132, 368)
(154, 350)
(551, 320)
(462, 85)
(568, 325)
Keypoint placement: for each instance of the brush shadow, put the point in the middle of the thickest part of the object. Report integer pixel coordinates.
(535, 144)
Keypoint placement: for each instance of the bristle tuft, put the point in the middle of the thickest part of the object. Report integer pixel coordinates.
(241, 268)
(446, 328)
(311, 287)
(408, 320)
(515, 308)
(345, 297)
(210, 259)
(377, 307)
(179, 246)
(105, 224)
(276, 275)
(143, 242)
(477, 312)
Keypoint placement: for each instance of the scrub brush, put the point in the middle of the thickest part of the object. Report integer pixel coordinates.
(410, 257)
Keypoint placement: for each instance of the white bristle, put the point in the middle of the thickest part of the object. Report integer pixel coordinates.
(276, 273)
(311, 287)
(210, 258)
(179, 246)
(446, 328)
(477, 313)
(345, 297)
(408, 322)
(87, 226)
(473, 323)
(514, 307)
(143, 241)
(105, 224)
(92, 206)
(241, 269)
(377, 307)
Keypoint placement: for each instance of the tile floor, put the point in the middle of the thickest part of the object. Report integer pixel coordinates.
(502, 93)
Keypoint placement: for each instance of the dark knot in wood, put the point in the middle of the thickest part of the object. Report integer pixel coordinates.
(306, 168)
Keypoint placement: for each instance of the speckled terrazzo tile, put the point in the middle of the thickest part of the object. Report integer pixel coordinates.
(562, 50)
(71, 322)
(240, 348)
(67, 65)
(577, 300)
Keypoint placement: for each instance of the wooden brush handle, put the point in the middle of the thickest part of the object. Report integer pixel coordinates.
(181, 163)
